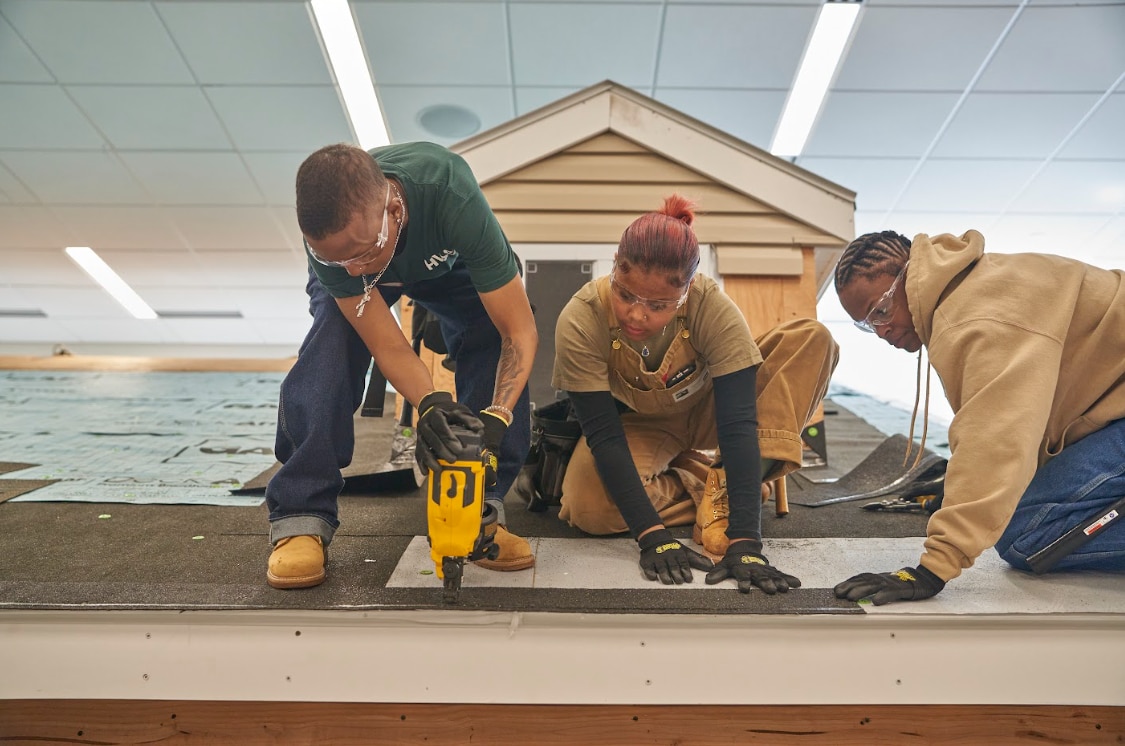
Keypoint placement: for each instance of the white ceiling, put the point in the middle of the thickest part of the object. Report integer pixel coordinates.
(166, 134)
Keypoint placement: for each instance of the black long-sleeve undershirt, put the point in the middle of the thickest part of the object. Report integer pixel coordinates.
(736, 418)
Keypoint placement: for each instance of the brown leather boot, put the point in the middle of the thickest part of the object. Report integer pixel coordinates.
(515, 552)
(713, 515)
(297, 562)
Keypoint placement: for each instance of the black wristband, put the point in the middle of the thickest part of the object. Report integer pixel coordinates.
(656, 538)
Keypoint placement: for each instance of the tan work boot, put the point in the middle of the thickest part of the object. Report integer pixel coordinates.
(515, 552)
(297, 562)
(713, 515)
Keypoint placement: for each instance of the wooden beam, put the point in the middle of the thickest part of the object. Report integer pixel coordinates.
(345, 724)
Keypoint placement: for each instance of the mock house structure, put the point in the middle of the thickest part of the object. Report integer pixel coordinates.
(566, 179)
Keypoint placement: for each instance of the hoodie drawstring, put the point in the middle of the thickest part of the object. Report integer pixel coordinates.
(914, 414)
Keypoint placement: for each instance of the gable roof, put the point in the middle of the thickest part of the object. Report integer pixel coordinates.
(609, 107)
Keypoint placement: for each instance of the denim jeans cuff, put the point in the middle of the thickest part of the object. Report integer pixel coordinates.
(497, 504)
(301, 525)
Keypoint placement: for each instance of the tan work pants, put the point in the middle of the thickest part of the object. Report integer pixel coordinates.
(799, 357)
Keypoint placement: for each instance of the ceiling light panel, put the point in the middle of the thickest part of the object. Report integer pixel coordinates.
(104, 275)
(826, 47)
(350, 67)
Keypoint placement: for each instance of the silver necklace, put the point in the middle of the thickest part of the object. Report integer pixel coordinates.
(369, 286)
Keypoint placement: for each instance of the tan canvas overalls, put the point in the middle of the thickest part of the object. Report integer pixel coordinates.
(665, 424)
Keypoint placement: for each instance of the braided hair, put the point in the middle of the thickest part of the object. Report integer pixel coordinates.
(871, 255)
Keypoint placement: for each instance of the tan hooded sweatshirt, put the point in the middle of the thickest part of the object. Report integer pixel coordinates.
(1031, 351)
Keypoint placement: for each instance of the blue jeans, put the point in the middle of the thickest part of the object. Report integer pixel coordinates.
(1072, 487)
(324, 388)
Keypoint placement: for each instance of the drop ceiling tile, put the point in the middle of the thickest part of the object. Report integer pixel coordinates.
(14, 192)
(1066, 235)
(762, 45)
(74, 177)
(17, 63)
(1101, 134)
(42, 116)
(267, 268)
(210, 331)
(288, 332)
(276, 174)
(113, 227)
(182, 299)
(966, 185)
(1046, 50)
(885, 53)
(882, 125)
(154, 270)
(286, 220)
(530, 98)
(435, 43)
(1075, 186)
(98, 41)
(227, 227)
(84, 302)
(47, 330)
(997, 125)
(876, 181)
(34, 267)
(152, 117)
(282, 118)
(1107, 246)
(585, 44)
(404, 105)
(931, 222)
(750, 116)
(30, 227)
(281, 303)
(247, 43)
(116, 329)
(194, 178)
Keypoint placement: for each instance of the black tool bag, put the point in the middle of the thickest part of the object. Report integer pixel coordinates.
(554, 434)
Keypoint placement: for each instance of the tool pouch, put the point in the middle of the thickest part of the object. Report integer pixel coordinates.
(554, 434)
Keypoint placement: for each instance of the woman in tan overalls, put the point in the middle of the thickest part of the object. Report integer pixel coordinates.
(660, 363)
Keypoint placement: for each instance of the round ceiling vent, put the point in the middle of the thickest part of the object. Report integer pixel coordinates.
(445, 120)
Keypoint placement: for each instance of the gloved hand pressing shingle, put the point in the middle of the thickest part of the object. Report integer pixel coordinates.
(750, 568)
(667, 559)
(907, 584)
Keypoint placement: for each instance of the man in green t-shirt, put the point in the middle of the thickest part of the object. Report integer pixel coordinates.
(410, 220)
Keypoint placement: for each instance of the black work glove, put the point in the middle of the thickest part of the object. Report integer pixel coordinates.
(665, 558)
(751, 568)
(908, 584)
(494, 428)
(438, 415)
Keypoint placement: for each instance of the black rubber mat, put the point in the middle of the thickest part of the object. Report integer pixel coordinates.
(123, 556)
(883, 472)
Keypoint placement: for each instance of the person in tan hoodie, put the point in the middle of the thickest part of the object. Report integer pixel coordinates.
(1030, 349)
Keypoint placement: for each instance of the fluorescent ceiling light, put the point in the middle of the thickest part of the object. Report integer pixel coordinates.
(830, 36)
(345, 54)
(85, 258)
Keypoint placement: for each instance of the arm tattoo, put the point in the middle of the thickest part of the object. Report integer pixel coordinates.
(507, 373)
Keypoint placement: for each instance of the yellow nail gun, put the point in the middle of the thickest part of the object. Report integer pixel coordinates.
(456, 515)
